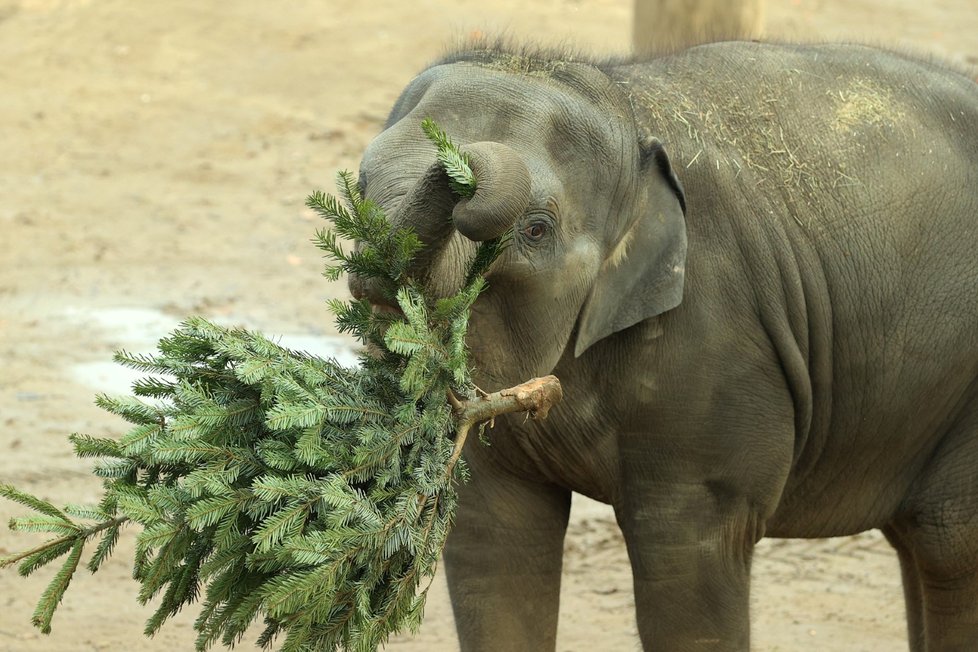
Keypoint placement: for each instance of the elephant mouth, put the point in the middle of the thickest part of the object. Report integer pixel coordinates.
(386, 310)
(379, 304)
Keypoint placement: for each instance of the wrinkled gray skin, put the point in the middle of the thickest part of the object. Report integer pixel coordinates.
(795, 355)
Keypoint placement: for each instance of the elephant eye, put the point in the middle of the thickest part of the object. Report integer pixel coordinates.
(535, 231)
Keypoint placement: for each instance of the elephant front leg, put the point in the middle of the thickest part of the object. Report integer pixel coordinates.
(503, 562)
(690, 559)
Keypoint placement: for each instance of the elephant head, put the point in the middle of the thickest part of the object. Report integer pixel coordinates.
(597, 213)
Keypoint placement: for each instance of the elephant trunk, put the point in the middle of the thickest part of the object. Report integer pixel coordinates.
(501, 196)
(427, 210)
(434, 212)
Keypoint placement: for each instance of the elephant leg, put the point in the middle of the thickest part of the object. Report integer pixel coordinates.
(951, 602)
(503, 561)
(940, 528)
(690, 556)
(948, 595)
(912, 590)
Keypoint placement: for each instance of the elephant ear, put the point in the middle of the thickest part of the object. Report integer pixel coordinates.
(643, 275)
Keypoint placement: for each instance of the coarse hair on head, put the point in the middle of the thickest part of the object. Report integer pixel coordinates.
(508, 53)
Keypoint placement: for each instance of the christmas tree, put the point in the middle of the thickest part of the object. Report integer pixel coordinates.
(271, 484)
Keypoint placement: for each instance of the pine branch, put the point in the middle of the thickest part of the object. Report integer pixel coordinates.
(534, 397)
(81, 534)
(12, 493)
(279, 485)
(453, 160)
(52, 595)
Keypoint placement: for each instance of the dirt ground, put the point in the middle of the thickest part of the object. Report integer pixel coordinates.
(154, 158)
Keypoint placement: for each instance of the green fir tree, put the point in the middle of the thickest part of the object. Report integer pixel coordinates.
(271, 484)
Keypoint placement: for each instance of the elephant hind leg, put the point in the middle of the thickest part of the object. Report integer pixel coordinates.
(936, 537)
(912, 590)
(941, 589)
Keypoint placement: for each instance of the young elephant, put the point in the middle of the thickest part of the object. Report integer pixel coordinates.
(773, 331)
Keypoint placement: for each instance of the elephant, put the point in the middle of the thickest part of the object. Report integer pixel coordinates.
(661, 25)
(753, 268)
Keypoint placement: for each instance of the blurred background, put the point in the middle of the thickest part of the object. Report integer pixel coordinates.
(154, 159)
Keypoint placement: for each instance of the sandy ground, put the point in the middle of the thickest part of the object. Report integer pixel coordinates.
(154, 158)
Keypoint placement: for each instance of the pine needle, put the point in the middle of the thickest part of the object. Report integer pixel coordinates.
(277, 485)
